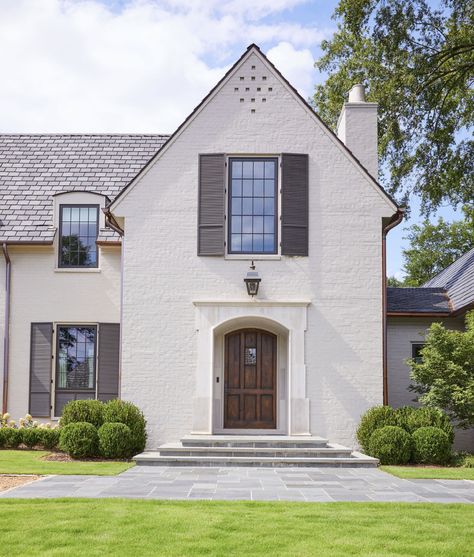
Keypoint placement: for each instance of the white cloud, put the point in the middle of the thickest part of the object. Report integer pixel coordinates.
(141, 66)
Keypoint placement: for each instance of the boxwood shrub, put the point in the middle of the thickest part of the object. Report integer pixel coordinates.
(79, 440)
(115, 440)
(431, 445)
(127, 413)
(430, 417)
(90, 411)
(49, 438)
(30, 436)
(391, 445)
(10, 437)
(374, 418)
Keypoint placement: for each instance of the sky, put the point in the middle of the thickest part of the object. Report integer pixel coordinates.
(141, 66)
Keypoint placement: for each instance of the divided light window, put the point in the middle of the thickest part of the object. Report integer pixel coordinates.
(253, 205)
(76, 358)
(78, 229)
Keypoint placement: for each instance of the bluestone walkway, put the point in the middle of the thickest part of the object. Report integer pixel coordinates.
(258, 484)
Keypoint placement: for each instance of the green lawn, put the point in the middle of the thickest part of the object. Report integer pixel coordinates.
(30, 462)
(182, 528)
(419, 472)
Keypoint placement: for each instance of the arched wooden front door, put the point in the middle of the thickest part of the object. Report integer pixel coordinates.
(250, 380)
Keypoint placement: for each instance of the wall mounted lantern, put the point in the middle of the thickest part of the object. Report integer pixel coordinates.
(252, 281)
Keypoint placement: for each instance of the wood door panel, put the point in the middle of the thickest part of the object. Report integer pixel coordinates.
(250, 380)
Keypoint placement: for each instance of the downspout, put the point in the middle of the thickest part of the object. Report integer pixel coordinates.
(6, 332)
(395, 220)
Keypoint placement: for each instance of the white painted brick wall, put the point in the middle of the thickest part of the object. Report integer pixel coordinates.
(402, 332)
(342, 275)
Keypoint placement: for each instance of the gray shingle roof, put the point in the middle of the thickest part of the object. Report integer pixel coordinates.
(457, 280)
(35, 167)
(417, 300)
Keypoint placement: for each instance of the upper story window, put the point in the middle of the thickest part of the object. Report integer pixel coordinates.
(416, 354)
(78, 229)
(253, 205)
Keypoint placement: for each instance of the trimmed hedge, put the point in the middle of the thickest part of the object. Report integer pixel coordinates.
(430, 417)
(30, 436)
(120, 411)
(49, 438)
(391, 445)
(10, 438)
(373, 419)
(90, 411)
(79, 440)
(115, 440)
(431, 445)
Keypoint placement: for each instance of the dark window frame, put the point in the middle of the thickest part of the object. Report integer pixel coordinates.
(61, 265)
(56, 372)
(415, 347)
(230, 160)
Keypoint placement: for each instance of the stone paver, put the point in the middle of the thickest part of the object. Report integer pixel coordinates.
(258, 484)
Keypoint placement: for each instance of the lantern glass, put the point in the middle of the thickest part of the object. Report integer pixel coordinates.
(252, 281)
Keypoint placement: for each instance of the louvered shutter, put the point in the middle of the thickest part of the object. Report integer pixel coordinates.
(41, 354)
(108, 361)
(294, 205)
(211, 205)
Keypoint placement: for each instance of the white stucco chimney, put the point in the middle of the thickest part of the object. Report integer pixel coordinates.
(357, 128)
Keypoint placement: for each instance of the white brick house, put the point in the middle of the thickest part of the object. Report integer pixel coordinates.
(125, 259)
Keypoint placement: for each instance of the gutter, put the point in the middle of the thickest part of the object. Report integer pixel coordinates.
(394, 221)
(111, 222)
(6, 335)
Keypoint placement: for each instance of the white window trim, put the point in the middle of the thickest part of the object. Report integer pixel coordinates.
(252, 256)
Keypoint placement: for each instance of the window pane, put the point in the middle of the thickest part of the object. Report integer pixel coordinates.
(236, 188)
(74, 228)
(84, 214)
(247, 242)
(247, 188)
(84, 228)
(247, 206)
(247, 169)
(269, 169)
(258, 167)
(258, 188)
(237, 224)
(258, 224)
(269, 206)
(258, 242)
(258, 206)
(269, 225)
(237, 206)
(236, 243)
(92, 214)
(247, 224)
(268, 242)
(66, 214)
(76, 360)
(236, 169)
(75, 213)
(269, 188)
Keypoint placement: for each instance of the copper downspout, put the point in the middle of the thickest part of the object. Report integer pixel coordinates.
(395, 220)
(6, 332)
(111, 222)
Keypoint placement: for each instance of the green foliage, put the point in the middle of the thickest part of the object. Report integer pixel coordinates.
(427, 416)
(417, 63)
(79, 440)
(445, 376)
(391, 445)
(431, 446)
(402, 415)
(374, 418)
(10, 437)
(115, 440)
(434, 246)
(130, 415)
(49, 438)
(30, 436)
(394, 282)
(90, 411)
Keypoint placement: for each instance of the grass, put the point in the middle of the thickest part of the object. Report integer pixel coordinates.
(183, 528)
(30, 462)
(433, 473)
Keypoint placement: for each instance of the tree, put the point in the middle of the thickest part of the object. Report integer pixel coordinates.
(417, 62)
(444, 378)
(433, 247)
(394, 282)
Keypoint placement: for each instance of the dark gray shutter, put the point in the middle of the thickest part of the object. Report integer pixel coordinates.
(211, 205)
(294, 205)
(108, 361)
(41, 354)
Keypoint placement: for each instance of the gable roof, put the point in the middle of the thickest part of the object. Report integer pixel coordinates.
(417, 300)
(35, 167)
(457, 280)
(256, 49)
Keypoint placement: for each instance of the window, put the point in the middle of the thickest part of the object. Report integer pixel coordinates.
(76, 358)
(416, 352)
(252, 205)
(78, 229)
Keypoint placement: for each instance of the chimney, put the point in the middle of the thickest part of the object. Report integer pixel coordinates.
(357, 128)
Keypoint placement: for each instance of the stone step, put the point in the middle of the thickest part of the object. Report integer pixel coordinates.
(177, 449)
(154, 458)
(288, 441)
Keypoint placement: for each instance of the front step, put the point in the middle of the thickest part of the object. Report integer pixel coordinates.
(249, 450)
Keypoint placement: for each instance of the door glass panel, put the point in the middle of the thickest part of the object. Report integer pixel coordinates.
(250, 356)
